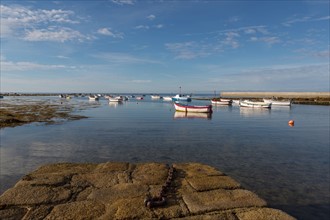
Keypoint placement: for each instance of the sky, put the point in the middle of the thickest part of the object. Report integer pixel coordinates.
(134, 46)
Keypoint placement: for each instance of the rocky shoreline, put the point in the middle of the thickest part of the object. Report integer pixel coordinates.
(19, 112)
(118, 190)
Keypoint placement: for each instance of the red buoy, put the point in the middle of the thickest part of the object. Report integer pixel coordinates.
(291, 123)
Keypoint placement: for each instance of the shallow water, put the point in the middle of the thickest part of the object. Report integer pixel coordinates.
(287, 166)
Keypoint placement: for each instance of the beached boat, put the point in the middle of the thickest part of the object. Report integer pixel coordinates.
(277, 102)
(251, 104)
(93, 98)
(221, 101)
(181, 98)
(192, 108)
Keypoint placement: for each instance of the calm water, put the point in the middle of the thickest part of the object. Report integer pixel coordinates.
(287, 166)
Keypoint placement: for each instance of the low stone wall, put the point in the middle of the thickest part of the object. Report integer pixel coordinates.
(119, 190)
(288, 95)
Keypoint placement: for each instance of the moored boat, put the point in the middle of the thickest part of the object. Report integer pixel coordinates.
(251, 104)
(156, 97)
(116, 99)
(192, 108)
(221, 101)
(181, 98)
(93, 98)
(277, 102)
(167, 98)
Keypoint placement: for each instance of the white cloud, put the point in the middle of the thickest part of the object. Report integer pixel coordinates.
(268, 40)
(38, 24)
(151, 17)
(9, 66)
(231, 39)
(54, 34)
(109, 32)
(123, 2)
(159, 26)
(250, 31)
(123, 58)
(146, 27)
(294, 20)
(188, 50)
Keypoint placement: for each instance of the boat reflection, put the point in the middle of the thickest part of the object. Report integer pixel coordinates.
(252, 112)
(115, 104)
(192, 115)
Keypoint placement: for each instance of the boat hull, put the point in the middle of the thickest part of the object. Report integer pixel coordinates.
(250, 104)
(193, 108)
(180, 98)
(222, 102)
(278, 103)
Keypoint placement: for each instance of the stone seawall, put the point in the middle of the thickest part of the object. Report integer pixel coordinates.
(119, 191)
(288, 95)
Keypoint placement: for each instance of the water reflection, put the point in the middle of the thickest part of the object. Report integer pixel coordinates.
(115, 104)
(228, 108)
(192, 115)
(252, 112)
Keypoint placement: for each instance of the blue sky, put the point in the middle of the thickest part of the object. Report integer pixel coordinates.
(157, 46)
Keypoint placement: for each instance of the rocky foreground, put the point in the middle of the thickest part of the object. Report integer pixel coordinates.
(124, 191)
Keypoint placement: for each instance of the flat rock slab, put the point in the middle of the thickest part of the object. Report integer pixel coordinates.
(119, 191)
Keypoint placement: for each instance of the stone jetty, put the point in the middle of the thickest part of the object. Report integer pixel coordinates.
(117, 190)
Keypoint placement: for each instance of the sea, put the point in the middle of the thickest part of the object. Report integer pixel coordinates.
(288, 166)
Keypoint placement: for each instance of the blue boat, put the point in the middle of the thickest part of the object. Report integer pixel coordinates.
(181, 98)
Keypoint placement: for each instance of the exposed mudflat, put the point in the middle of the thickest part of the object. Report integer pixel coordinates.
(16, 112)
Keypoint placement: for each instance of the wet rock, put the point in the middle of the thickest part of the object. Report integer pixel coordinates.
(119, 191)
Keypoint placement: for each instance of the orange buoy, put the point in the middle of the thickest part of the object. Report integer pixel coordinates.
(291, 123)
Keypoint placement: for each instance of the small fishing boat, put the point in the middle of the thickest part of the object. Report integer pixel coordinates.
(116, 99)
(139, 98)
(167, 98)
(221, 101)
(156, 97)
(251, 104)
(192, 108)
(93, 98)
(181, 98)
(277, 102)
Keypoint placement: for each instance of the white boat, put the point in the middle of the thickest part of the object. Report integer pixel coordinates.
(116, 99)
(156, 97)
(236, 101)
(139, 98)
(276, 102)
(93, 98)
(221, 101)
(192, 108)
(181, 98)
(167, 98)
(251, 104)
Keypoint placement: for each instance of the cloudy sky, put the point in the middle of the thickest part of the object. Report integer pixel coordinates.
(158, 46)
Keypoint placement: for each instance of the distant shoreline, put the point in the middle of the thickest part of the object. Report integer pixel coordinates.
(310, 98)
